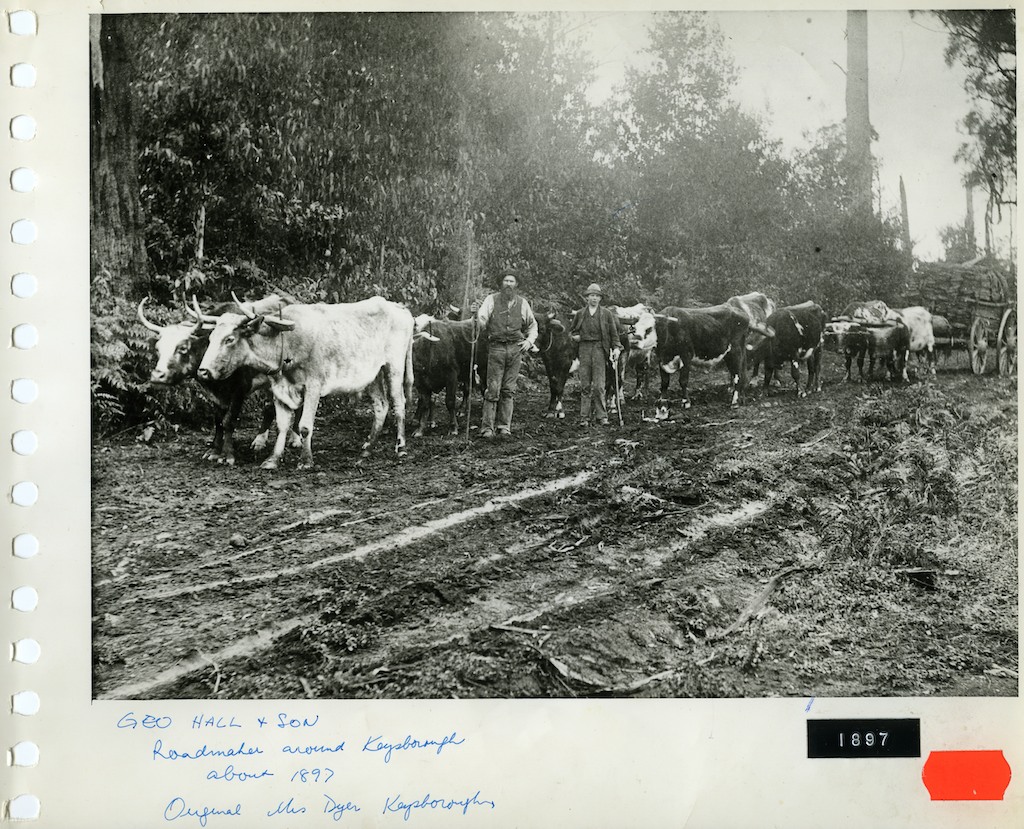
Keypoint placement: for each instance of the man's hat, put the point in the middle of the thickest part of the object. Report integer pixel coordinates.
(593, 288)
(507, 272)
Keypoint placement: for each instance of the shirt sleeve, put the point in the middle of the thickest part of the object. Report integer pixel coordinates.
(531, 323)
(483, 315)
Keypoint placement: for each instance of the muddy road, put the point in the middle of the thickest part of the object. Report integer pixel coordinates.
(859, 542)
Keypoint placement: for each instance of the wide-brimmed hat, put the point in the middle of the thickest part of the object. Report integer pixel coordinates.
(593, 288)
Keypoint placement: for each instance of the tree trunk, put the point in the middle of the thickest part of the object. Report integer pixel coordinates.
(908, 245)
(118, 245)
(972, 240)
(858, 122)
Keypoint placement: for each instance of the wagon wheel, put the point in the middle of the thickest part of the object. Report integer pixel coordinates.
(1006, 343)
(977, 344)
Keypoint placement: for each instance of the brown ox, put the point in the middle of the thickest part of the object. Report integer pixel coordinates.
(179, 349)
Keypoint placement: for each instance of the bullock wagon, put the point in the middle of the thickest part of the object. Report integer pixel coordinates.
(979, 303)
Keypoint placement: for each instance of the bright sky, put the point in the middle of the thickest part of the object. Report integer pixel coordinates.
(791, 73)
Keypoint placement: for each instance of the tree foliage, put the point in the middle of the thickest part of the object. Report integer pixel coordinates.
(416, 155)
(984, 42)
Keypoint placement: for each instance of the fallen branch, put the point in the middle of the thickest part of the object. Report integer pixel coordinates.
(216, 668)
(654, 516)
(640, 683)
(756, 648)
(567, 547)
(818, 438)
(514, 629)
(757, 605)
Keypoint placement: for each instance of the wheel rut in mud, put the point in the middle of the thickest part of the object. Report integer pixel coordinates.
(774, 549)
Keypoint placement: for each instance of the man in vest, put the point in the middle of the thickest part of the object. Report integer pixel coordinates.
(596, 330)
(511, 331)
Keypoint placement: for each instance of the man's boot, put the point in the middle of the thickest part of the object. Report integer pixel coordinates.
(487, 420)
(504, 419)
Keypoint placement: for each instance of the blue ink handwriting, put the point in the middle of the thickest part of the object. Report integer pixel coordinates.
(286, 808)
(178, 808)
(335, 808)
(297, 749)
(129, 720)
(214, 722)
(229, 773)
(172, 754)
(376, 744)
(395, 805)
(284, 722)
(305, 775)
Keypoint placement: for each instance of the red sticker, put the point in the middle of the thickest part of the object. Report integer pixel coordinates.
(966, 775)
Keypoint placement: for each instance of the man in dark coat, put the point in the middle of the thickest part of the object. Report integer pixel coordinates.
(511, 332)
(596, 330)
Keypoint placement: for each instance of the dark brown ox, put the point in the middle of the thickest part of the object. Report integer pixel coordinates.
(871, 328)
(799, 334)
(442, 353)
(710, 336)
(311, 351)
(180, 349)
(558, 353)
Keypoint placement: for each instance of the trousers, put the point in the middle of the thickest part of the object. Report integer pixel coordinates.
(503, 363)
(593, 362)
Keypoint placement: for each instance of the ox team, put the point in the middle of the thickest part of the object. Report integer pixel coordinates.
(301, 353)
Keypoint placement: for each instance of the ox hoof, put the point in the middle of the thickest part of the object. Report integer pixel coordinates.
(295, 442)
(419, 433)
(550, 414)
(226, 461)
(801, 394)
(560, 415)
(269, 463)
(258, 444)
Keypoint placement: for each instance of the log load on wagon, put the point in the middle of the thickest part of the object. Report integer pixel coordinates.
(979, 301)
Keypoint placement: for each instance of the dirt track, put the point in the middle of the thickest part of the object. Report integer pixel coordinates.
(860, 542)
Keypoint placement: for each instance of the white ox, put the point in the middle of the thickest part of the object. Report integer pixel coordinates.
(922, 336)
(642, 339)
(312, 351)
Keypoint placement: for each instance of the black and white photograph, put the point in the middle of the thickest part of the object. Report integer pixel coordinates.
(552, 354)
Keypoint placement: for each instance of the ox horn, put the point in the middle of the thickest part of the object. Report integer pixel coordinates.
(278, 323)
(665, 317)
(557, 324)
(196, 312)
(156, 329)
(202, 320)
(242, 307)
(426, 335)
